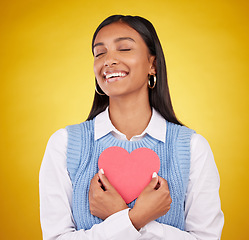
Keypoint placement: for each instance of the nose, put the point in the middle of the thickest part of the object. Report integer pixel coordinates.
(110, 59)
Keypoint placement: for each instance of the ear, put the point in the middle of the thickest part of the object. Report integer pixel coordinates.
(152, 70)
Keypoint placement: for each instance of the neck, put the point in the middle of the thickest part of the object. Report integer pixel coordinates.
(129, 115)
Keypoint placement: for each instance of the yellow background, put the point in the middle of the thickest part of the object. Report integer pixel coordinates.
(47, 82)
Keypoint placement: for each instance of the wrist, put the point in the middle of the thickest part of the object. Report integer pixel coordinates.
(136, 219)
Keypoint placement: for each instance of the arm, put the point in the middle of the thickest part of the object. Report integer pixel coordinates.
(56, 197)
(203, 216)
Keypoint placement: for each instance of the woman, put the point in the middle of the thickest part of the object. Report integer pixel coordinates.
(131, 109)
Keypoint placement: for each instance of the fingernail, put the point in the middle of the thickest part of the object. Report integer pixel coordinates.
(154, 175)
(102, 171)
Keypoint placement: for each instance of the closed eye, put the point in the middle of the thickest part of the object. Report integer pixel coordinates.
(125, 49)
(99, 54)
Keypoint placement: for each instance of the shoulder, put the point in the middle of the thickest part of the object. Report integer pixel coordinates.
(58, 139)
(55, 153)
(177, 128)
(202, 159)
(179, 135)
(199, 144)
(87, 126)
(79, 135)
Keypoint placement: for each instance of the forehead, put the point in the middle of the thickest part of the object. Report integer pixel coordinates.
(117, 30)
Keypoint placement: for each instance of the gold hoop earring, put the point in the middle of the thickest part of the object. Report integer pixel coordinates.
(101, 94)
(154, 81)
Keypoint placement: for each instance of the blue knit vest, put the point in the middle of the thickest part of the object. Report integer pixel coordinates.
(82, 164)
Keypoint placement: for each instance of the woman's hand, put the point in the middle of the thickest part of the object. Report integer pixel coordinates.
(153, 202)
(103, 197)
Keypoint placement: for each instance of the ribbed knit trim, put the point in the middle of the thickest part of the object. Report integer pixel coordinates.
(76, 145)
(109, 140)
(183, 153)
(74, 148)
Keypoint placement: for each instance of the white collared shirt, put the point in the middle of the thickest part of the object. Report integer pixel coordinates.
(203, 216)
(156, 127)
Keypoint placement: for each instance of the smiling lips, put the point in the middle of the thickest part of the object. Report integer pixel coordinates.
(114, 76)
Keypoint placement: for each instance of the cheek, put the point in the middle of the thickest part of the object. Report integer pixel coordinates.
(96, 69)
(140, 64)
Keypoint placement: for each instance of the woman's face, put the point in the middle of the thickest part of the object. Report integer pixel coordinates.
(122, 61)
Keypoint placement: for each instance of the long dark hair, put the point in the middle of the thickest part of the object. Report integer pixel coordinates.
(159, 96)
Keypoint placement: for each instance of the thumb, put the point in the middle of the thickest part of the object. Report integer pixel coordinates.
(154, 181)
(104, 180)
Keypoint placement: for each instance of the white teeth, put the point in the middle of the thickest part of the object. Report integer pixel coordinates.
(116, 74)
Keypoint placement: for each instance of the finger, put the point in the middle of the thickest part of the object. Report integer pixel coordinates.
(95, 182)
(95, 186)
(154, 181)
(163, 183)
(104, 180)
(96, 178)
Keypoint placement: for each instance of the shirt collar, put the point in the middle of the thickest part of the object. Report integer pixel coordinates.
(156, 127)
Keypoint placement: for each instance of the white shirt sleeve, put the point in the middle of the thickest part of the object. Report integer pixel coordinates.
(56, 197)
(204, 219)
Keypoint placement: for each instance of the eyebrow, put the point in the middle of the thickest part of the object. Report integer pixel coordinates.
(116, 40)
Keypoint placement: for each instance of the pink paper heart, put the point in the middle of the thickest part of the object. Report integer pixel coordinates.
(129, 173)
